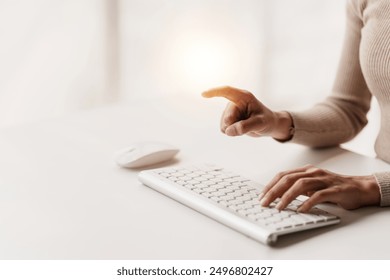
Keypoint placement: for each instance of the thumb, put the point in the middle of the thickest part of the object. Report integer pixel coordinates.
(253, 124)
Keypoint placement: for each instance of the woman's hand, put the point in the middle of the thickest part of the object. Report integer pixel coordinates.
(247, 115)
(349, 192)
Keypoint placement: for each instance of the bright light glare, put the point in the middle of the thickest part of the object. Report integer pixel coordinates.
(201, 62)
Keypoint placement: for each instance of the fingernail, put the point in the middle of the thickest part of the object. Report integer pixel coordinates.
(261, 195)
(279, 205)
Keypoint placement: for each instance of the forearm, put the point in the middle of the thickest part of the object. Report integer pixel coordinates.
(329, 123)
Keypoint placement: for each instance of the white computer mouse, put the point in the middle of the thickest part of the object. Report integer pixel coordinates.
(144, 154)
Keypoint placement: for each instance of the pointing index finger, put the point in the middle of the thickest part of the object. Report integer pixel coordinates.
(233, 94)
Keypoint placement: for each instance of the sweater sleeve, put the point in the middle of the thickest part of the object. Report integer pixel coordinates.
(383, 180)
(343, 114)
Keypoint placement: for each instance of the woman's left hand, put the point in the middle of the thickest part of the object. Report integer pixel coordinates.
(349, 192)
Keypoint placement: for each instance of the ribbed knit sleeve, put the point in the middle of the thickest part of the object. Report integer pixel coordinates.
(343, 114)
(383, 179)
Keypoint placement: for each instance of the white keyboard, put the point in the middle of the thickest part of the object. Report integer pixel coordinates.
(233, 200)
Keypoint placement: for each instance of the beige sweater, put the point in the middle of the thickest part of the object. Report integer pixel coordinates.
(364, 71)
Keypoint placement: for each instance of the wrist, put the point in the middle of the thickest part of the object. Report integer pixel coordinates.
(371, 193)
(284, 126)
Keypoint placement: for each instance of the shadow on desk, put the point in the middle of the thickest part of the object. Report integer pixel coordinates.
(164, 164)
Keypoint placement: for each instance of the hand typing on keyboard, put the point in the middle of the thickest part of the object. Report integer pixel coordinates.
(232, 200)
(350, 192)
(247, 115)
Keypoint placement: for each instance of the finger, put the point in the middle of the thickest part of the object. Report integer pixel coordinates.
(233, 94)
(310, 193)
(301, 186)
(280, 175)
(325, 195)
(307, 181)
(235, 129)
(345, 196)
(281, 187)
(246, 126)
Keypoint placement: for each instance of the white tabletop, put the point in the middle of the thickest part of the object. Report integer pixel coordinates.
(63, 197)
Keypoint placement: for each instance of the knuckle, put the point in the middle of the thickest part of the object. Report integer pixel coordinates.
(316, 197)
(228, 119)
(315, 171)
(288, 180)
(280, 175)
(301, 182)
(319, 195)
(246, 94)
(249, 94)
(337, 189)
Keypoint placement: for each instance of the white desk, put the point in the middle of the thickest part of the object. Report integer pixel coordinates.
(63, 197)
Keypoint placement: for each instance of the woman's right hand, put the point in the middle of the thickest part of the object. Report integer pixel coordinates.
(247, 115)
